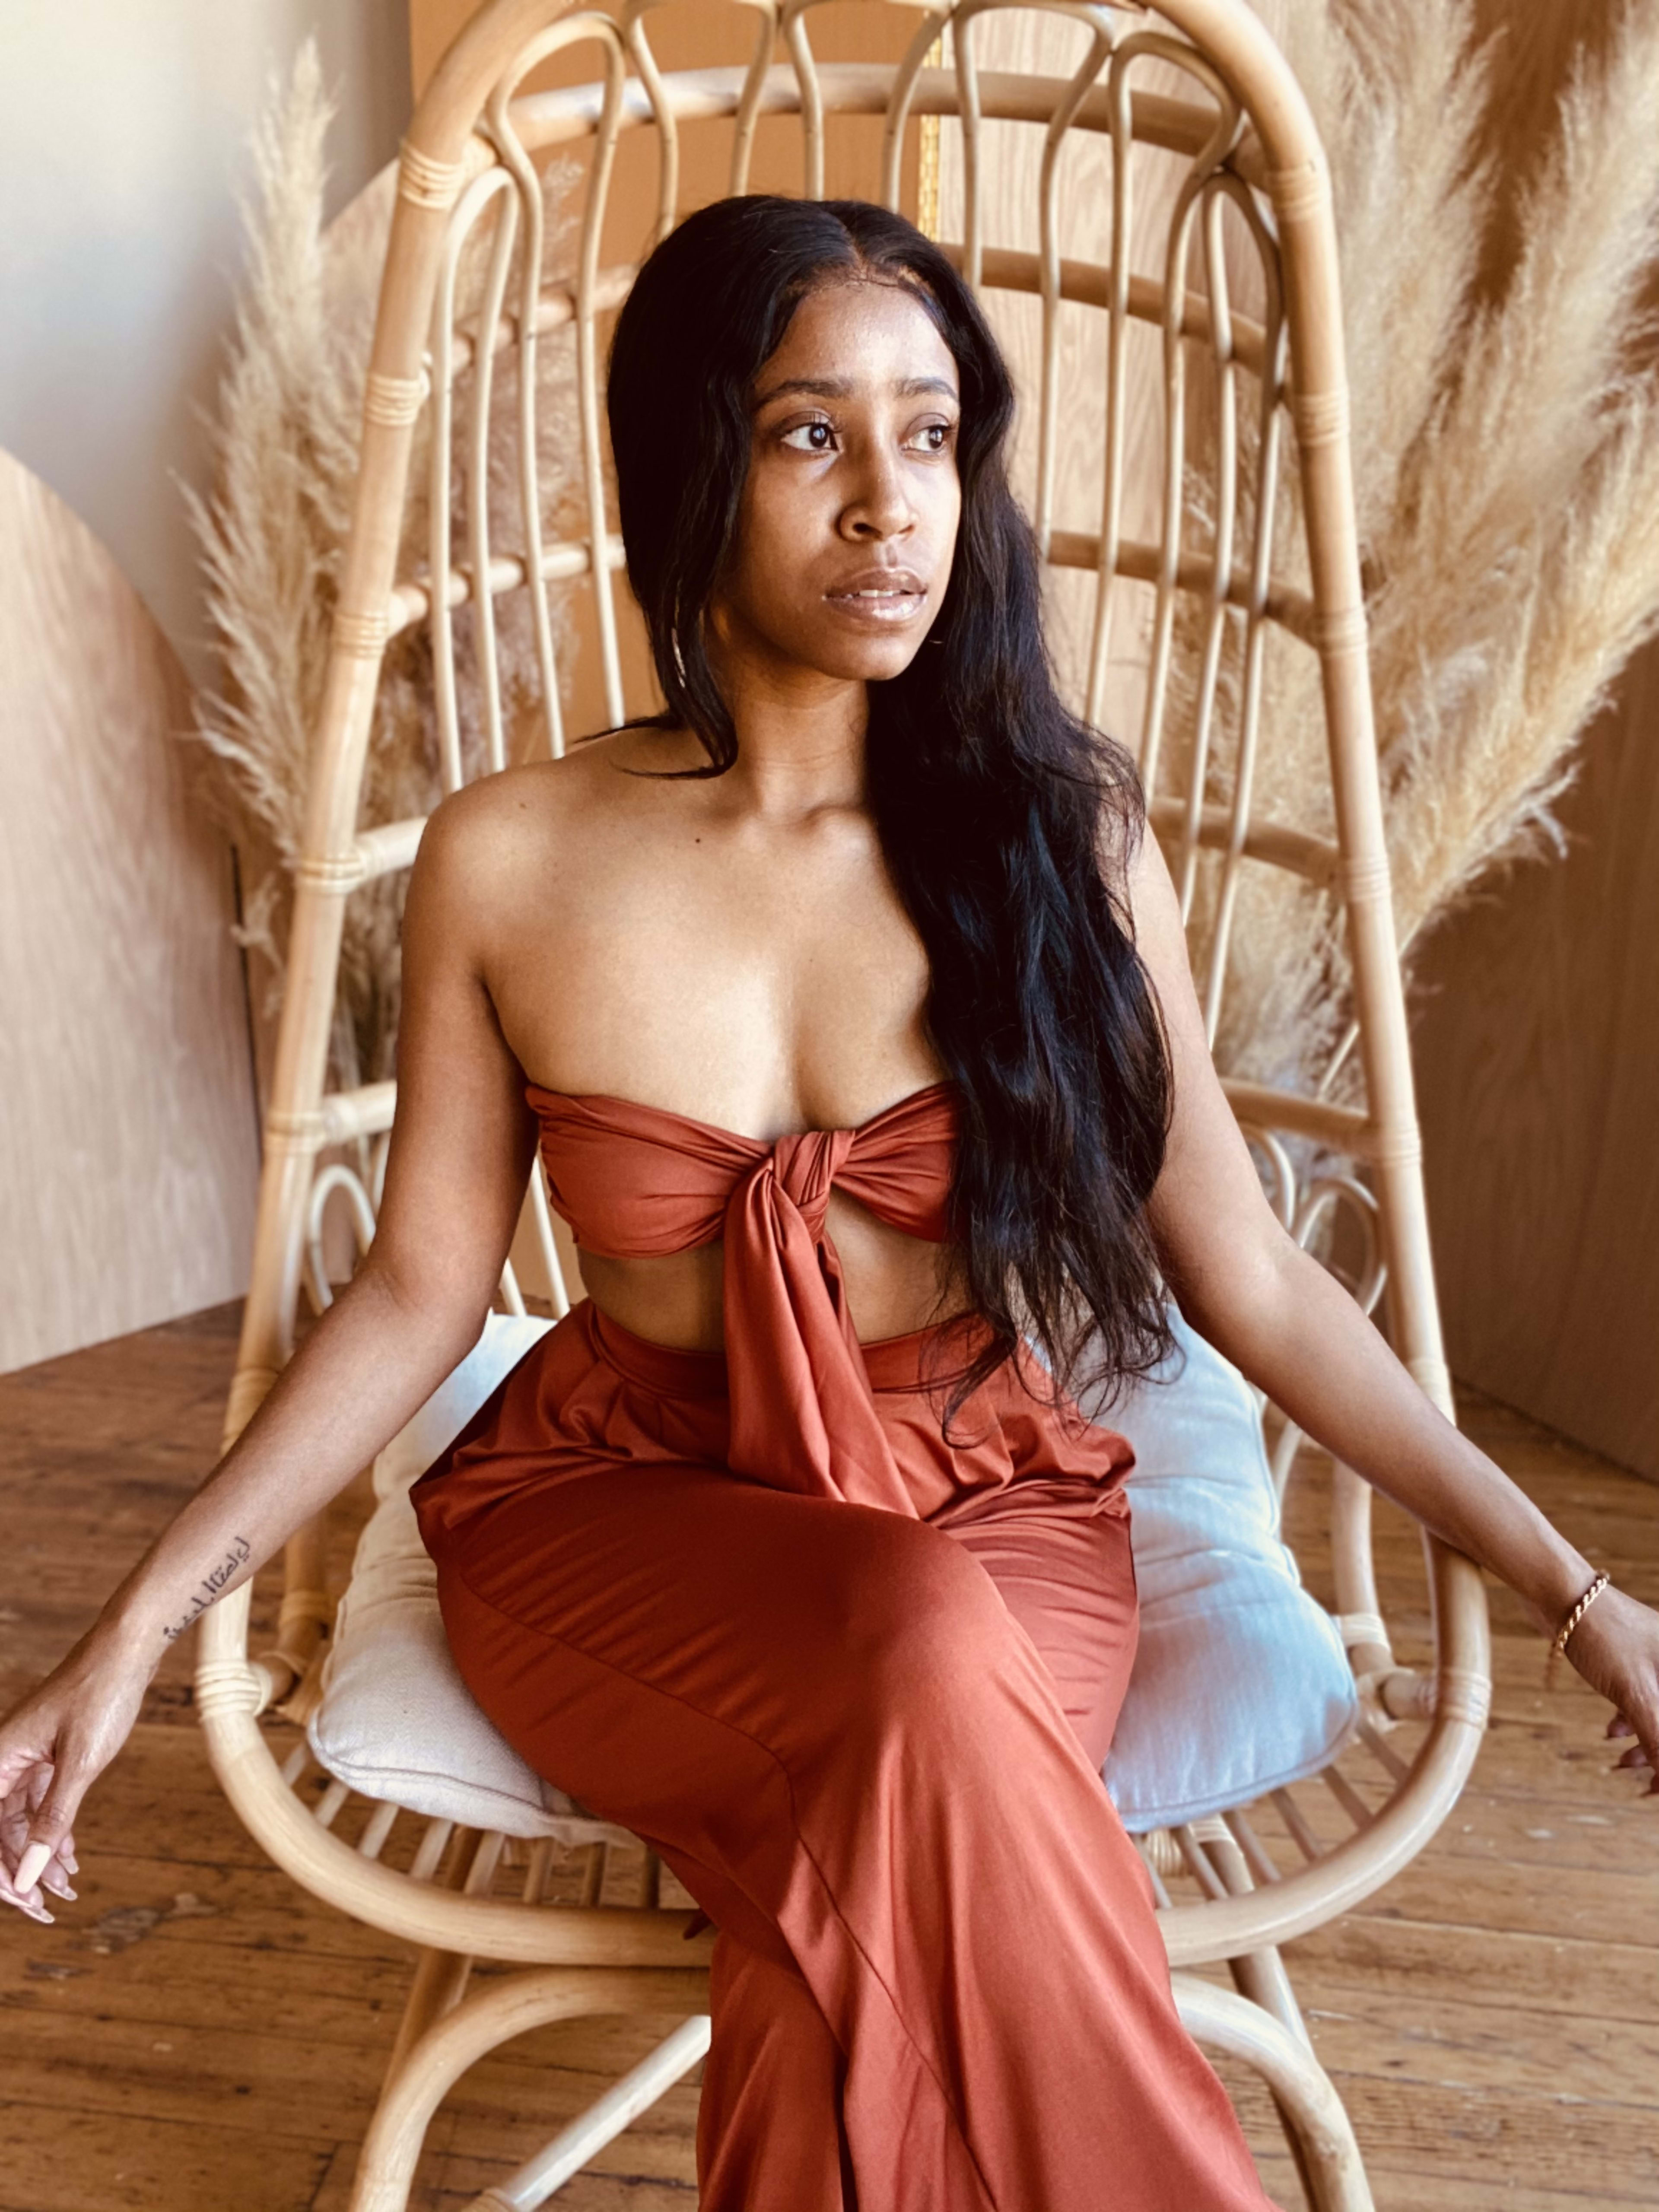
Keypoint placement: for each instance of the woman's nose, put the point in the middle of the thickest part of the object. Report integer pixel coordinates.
(881, 507)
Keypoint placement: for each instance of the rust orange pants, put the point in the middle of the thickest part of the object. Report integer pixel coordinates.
(869, 1746)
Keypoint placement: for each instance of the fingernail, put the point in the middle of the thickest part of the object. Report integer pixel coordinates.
(30, 1867)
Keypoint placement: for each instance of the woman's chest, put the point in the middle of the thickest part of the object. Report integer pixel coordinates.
(751, 987)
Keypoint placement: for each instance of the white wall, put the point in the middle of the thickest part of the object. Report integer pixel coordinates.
(123, 131)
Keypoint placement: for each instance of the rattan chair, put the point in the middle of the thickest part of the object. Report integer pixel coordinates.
(1200, 101)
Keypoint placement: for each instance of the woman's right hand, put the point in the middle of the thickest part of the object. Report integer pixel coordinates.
(53, 1746)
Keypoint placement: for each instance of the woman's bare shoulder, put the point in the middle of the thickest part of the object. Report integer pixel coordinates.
(489, 831)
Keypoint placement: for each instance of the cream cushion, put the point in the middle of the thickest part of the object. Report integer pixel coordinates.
(395, 1720)
(1240, 1683)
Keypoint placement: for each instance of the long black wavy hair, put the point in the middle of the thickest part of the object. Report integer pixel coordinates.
(1006, 823)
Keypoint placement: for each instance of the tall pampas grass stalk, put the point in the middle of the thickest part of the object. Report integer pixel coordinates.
(1534, 482)
(1506, 475)
(272, 539)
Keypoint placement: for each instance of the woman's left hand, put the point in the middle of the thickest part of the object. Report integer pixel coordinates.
(1615, 1647)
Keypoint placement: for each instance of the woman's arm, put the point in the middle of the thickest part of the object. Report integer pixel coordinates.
(1280, 1317)
(455, 1175)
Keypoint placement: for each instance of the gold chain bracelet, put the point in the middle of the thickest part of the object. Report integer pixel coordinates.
(1557, 1649)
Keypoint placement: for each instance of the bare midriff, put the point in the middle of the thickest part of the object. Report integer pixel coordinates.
(894, 1284)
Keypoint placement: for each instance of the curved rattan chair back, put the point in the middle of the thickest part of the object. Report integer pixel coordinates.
(1163, 263)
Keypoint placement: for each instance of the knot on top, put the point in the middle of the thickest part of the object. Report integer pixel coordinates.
(806, 1167)
(638, 1180)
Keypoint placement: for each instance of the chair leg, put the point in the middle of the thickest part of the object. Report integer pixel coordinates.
(536, 2180)
(440, 1976)
(440, 1983)
(1312, 2112)
(493, 2015)
(1260, 1977)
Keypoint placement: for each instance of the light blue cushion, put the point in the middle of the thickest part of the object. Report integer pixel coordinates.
(1241, 1684)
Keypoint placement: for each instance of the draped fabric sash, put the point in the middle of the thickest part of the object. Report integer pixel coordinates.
(632, 1180)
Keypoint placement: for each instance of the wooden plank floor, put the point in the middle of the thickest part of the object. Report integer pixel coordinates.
(197, 2034)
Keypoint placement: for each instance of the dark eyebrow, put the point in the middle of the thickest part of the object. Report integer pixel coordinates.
(841, 387)
(832, 387)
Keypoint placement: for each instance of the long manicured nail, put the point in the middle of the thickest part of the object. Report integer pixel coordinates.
(30, 1867)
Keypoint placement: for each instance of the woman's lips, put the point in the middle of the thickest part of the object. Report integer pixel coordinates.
(885, 596)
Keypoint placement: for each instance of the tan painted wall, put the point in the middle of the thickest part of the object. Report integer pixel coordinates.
(128, 1158)
(128, 1141)
(124, 143)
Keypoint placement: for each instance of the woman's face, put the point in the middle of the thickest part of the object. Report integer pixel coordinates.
(849, 513)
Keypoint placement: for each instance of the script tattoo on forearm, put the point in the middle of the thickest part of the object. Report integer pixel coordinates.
(211, 1585)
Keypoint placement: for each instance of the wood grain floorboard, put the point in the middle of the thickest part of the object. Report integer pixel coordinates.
(198, 2033)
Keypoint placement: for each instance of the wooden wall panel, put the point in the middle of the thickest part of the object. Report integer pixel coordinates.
(128, 1142)
(1537, 1038)
(1537, 1051)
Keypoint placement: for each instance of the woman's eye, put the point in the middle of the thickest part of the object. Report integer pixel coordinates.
(811, 438)
(935, 437)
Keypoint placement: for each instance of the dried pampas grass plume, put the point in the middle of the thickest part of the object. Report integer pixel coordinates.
(1533, 479)
(272, 539)
(1506, 467)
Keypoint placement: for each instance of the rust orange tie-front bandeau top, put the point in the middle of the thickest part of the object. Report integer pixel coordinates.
(637, 1181)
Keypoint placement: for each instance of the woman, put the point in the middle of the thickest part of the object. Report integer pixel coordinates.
(852, 1003)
